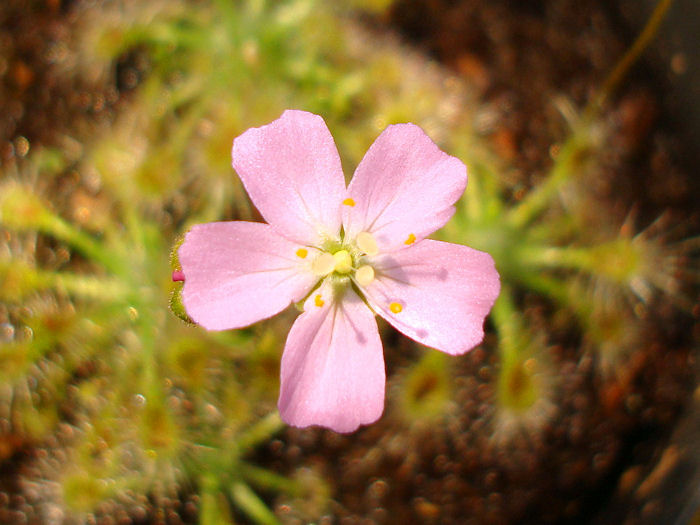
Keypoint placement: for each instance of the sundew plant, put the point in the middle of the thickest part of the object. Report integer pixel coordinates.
(135, 411)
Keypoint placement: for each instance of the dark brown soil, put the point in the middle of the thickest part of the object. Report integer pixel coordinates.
(45, 97)
(523, 56)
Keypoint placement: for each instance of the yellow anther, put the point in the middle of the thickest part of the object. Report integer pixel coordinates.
(395, 308)
(343, 261)
(323, 264)
(365, 242)
(411, 239)
(364, 275)
(349, 202)
(318, 301)
(302, 253)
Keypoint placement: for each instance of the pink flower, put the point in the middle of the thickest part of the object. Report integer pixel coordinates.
(349, 253)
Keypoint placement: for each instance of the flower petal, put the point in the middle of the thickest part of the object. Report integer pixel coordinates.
(435, 292)
(237, 273)
(404, 189)
(292, 172)
(333, 367)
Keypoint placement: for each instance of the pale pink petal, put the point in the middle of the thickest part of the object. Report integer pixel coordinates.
(333, 367)
(292, 172)
(237, 273)
(404, 188)
(444, 291)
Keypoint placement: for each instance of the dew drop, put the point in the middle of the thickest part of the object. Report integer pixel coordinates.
(7, 332)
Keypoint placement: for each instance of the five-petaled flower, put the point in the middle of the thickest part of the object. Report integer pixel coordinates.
(348, 253)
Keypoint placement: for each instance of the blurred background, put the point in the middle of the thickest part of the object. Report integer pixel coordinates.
(578, 122)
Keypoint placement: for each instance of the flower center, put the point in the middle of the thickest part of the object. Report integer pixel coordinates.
(343, 262)
(348, 259)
